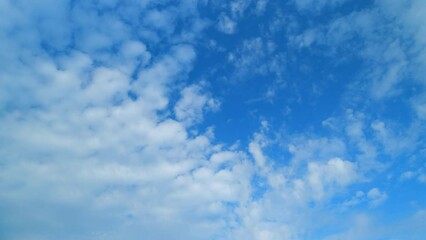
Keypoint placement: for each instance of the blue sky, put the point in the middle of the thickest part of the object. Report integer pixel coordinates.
(198, 119)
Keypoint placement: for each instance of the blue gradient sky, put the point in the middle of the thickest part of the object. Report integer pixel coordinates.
(198, 119)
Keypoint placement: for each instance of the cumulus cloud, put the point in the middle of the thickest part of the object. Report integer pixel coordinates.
(376, 196)
(336, 172)
(261, 6)
(102, 136)
(193, 104)
(226, 25)
(85, 137)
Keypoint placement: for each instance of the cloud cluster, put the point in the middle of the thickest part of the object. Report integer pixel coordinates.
(89, 147)
(100, 136)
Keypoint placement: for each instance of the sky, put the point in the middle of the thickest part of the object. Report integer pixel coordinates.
(212, 120)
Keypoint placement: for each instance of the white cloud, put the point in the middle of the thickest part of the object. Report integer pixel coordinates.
(376, 196)
(322, 178)
(238, 7)
(161, 20)
(422, 178)
(394, 142)
(256, 151)
(258, 56)
(261, 6)
(306, 149)
(355, 128)
(226, 24)
(407, 175)
(366, 226)
(360, 226)
(308, 38)
(223, 157)
(385, 83)
(193, 103)
(74, 139)
(373, 34)
(419, 105)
